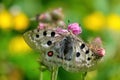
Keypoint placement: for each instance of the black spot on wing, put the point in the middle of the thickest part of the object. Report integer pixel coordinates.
(77, 54)
(37, 35)
(88, 58)
(44, 33)
(87, 51)
(49, 43)
(52, 34)
(37, 30)
(92, 54)
(82, 46)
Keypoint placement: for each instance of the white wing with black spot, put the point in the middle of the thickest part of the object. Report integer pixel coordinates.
(41, 40)
(67, 51)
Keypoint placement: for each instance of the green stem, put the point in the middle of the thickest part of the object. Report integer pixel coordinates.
(42, 69)
(54, 73)
(41, 75)
(83, 75)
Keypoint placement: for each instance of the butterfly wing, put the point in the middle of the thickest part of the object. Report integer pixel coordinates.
(41, 40)
(47, 42)
(83, 58)
(67, 51)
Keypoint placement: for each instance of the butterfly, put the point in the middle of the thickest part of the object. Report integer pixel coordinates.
(62, 48)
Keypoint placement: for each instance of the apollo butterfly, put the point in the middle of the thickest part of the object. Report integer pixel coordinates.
(63, 48)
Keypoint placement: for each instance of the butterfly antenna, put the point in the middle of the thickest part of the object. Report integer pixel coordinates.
(68, 21)
(79, 24)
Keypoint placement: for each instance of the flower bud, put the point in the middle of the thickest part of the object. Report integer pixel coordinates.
(41, 26)
(46, 17)
(57, 14)
(61, 24)
(75, 28)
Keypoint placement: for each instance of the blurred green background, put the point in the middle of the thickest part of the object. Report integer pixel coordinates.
(97, 18)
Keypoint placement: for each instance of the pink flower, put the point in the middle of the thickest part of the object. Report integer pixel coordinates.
(101, 52)
(75, 28)
(41, 25)
(98, 40)
(98, 45)
(61, 31)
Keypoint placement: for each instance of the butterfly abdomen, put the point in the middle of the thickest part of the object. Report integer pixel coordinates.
(66, 48)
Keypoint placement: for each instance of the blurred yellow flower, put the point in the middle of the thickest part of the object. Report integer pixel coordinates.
(113, 22)
(21, 22)
(18, 45)
(5, 20)
(94, 21)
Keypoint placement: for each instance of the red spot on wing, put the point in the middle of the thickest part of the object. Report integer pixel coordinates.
(50, 53)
